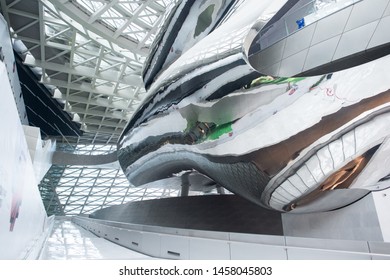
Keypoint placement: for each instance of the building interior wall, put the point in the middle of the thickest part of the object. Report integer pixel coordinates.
(23, 218)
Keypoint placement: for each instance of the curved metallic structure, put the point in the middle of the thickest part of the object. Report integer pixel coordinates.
(319, 37)
(291, 144)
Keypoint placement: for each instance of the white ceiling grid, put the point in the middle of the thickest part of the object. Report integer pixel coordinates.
(74, 190)
(91, 52)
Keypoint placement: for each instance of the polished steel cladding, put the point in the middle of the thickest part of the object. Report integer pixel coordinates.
(250, 94)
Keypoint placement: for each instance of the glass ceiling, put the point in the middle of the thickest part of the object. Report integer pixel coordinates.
(74, 190)
(90, 54)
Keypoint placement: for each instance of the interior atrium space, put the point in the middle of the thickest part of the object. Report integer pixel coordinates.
(195, 130)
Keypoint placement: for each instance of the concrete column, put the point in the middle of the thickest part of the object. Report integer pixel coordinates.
(185, 184)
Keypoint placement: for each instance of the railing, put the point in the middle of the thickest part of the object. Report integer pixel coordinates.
(176, 243)
(299, 18)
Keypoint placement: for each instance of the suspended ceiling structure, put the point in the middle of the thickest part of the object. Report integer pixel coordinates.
(89, 55)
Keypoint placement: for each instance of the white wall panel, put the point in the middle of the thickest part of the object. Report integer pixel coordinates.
(336, 149)
(273, 69)
(209, 249)
(293, 63)
(151, 244)
(310, 254)
(258, 238)
(299, 41)
(9, 60)
(382, 204)
(326, 160)
(269, 56)
(355, 40)
(306, 176)
(298, 183)
(374, 171)
(380, 249)
(251, 246)
(313, 164)
(387, 12)
(244, 251)
(348, 144)
(41, 152)
(382, 34)
(175, 247)
(321, 53)
(331, 26)
(365, 12)
(329, 244)
(22, 215)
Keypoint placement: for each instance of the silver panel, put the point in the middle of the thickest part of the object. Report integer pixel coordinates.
(299, 41)
(272, 70)
(298, 183)
(151, 244)
(387, 12)
(257, 238)
(268, 57)
(283, 195)
(135, 238)
(380, 248)
(293, 64)
(331, 26)
(219, 235)
(201, 249)
(242, 251)
(313, 165)
(330, 200)
(355, 40)
(310, 254)
(349, 144)
(336, 149)
(358, 221)
(321, 53)
(365, 135)
(370, 176)
(287, 185)
(326, 160)
(365, 12)
(306, 176)
(382, 204)
(339, 245)
(175, 247)
(382, 34)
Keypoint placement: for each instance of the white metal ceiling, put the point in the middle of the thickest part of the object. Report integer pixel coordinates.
(90, 53)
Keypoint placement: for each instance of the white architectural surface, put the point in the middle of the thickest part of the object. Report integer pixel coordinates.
(71, 242)
(22, 215)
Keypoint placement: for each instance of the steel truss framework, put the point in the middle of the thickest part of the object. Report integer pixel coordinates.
(89, 53)
(73, 190)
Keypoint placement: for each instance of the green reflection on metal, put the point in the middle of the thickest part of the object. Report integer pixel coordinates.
(220, 130)
(204, 20)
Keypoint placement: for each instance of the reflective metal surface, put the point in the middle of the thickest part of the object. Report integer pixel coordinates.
(321, 36)
(299, 144)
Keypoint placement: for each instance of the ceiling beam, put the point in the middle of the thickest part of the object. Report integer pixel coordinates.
(127, 93)
(104, 102)
(81, 70)
(113, 115)
(96, 31)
